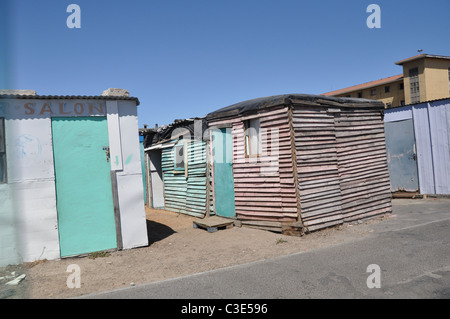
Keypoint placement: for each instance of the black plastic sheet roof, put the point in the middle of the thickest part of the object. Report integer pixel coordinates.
(291, 99)
(167, 132)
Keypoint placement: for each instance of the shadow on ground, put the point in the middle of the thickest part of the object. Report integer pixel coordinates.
(157, 231)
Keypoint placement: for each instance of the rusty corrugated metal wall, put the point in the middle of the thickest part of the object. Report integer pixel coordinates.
(362, 164)
(265, 194)
(317, 166)
(264, 188)
(342, 168)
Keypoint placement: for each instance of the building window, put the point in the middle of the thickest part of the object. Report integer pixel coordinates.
(359, 94)
(373, 92)
(387, 89)
(179, 158)
(401, 86)
(402, 103)
(414, 85)
(2, 152)
(252, 137)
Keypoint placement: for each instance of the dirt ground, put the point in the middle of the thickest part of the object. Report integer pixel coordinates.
(175, 249)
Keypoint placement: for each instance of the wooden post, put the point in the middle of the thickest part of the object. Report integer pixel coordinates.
(148, 178)
(211, 158)
(294, 164)
(116, 209)
(186, 174)
(208, 180)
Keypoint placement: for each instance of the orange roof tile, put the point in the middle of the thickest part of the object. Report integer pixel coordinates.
(365, 85)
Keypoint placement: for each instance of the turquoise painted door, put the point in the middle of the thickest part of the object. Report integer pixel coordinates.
(84, 198)
(223, 173)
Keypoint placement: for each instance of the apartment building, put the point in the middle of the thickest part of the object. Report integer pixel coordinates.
(425, 77)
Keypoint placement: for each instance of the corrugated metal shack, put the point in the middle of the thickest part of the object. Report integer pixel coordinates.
(177, 157)
(418, 143)
(71, 177)
(301, 161)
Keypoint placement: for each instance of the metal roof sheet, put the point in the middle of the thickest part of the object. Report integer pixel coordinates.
(69, 97)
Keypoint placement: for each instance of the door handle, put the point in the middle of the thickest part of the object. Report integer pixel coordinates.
(108, 153)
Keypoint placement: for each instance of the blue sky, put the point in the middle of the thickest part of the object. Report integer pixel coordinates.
(186, 58)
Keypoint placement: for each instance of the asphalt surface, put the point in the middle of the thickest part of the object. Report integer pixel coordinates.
(411, 251)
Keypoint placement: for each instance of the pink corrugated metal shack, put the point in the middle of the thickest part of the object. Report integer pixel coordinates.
(299, 163)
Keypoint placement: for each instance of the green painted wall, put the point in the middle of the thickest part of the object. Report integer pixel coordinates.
(183, 194)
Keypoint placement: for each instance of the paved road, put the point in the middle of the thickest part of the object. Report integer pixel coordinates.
(412, 251)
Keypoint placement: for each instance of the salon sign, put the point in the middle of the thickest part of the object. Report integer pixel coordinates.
(16, 108)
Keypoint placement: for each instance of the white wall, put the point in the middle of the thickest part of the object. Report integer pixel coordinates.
(432, 132)
(9, 249)
(31, 187)
(129, 176)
